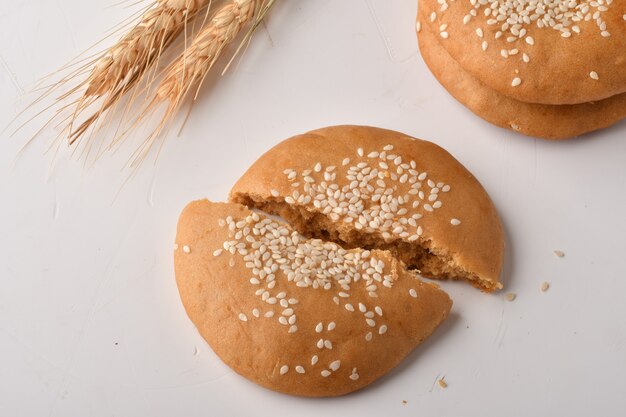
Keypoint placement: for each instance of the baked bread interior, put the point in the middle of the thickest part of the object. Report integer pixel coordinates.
(371, 188)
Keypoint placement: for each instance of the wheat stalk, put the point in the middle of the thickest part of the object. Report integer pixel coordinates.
(122, 66)
(189, 70)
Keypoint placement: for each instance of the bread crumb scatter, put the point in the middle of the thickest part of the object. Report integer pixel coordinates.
(442, 383)
(404, 402)
(559, 253)
(510, 296)
(544, 286)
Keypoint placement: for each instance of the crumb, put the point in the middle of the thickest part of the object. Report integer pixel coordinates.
(115, 343)
(442, 383)
(510, 296)
(544, 286)
(559, 253)
(404, 401)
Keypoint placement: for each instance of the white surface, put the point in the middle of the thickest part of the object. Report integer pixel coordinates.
(90, 319)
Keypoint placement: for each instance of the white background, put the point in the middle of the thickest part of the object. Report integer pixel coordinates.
(90, 319)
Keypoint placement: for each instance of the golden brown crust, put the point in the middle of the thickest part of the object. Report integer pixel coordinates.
(559, 68)
(476, 245)
(538, 120)
(215, 293)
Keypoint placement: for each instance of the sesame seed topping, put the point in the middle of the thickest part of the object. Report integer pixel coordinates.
(284, 369)
(382, 329)
(594, 75)
(186, 249)
(328, 344)
(314, 359)
(413, 293)
(175, 246)
(418, 27)
(444, 35)
(256, 313)
(455, 222)
(354, 375)
(334, 366)
(378, 310)
(516, 81)
(300, 369)
(320, 344)
(319, 327)
(331, 326)
(544, 286)
(274, 193)
(360, 151)
(217, 252)
(368, 336)
(349, 307)
(243, 317)
(325, 373)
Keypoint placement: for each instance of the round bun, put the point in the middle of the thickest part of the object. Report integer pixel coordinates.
(549, 52)
(299, 316)
(538, 120)
(375, 188)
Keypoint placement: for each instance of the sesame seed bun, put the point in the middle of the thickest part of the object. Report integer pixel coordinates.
(238, 283)
(376, 188)
(538, 120)
(561, 59)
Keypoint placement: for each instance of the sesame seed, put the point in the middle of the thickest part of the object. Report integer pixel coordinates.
(360, 151)
(274, 193)
(378, 310)
(186, 249)
(269, 314)
(320, 344)
(516, 81)
(319, 327)
(256, 313)
(175, 246)
(559, 253)
(345, 162)
(284, 369)
(413, 293)
(328, 344)
(382, 329)
(314, 359)
(292, 328)
(325, 373)
(243, 317)
(349, 307)
(217, 252)
(444, 35)
(455, 222)
(433, 16)
(544, 286)
(442, 383)
(510, 296)
(418, 27)
(334, 366)
(354, 375)
(368, 336)
(594, 75)
(530, 40)
(370, 322)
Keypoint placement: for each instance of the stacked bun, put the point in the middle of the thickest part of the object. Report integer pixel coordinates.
(553, 69)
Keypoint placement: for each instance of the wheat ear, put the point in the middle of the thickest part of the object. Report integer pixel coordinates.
(123, 65)
(186, 73)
